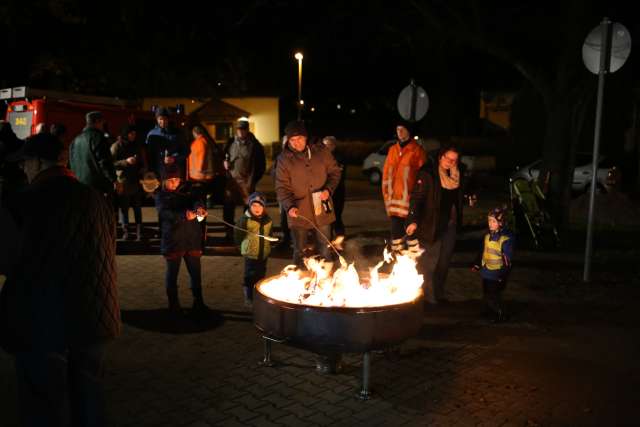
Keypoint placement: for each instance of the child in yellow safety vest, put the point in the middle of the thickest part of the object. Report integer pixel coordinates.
(494, 263)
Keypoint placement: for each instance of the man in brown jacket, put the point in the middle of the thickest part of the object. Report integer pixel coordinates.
(302, 171)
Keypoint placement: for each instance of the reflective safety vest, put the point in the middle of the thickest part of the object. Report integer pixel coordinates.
(399, 175)
(492, 256)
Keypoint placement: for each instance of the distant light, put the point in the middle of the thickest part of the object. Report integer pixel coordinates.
(313, 109)
(193, 101)
(353, 111)
(298, 56)
(243, 119)
(302, 102)
(338, 106)
(416, 137)
(219, 84)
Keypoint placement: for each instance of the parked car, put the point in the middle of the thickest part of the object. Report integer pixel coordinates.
(607, 171)
(374, 163)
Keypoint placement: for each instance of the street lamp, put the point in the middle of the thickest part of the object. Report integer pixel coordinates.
(299, 57)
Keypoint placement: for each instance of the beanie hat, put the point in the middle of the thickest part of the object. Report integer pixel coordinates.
(41, 146)
(407, 125)
(163, 111)
(498, 214)
(258, 197)
(126, 129)
(93, 116)
(242, 124)
(295, 128)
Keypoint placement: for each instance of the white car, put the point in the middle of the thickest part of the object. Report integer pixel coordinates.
(581, 174)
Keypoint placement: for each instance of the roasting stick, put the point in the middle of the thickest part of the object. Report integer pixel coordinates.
(343, 262)
(269, 238)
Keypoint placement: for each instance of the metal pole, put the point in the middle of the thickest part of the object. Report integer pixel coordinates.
(414, 99)
(366, 372)
(266, 361)
(605, 54)
(299, 89)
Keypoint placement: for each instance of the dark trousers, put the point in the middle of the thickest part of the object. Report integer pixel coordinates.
(299, 237)
(492, 294)
(254, 271)
(398, 231)
(228, 215)
(193, 267)
(434, 264)
(63, 387)
(338, 205)
(284, 226)
(124, 202)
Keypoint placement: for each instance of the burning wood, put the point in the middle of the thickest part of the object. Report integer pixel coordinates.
(344, 287)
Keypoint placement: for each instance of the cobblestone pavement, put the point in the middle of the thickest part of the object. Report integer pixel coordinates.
(555, 363)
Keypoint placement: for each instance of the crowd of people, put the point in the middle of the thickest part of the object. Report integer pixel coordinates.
(59, 305)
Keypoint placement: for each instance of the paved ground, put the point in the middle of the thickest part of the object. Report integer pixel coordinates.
(568, 357)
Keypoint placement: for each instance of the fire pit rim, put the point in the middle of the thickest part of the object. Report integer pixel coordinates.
(340, 309)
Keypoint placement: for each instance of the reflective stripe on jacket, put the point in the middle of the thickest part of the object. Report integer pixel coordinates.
(492, 255)
(399, 177)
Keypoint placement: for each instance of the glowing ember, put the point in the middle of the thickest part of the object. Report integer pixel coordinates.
(344, 288)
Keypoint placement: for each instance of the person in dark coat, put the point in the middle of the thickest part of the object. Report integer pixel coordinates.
(59, 305)
(166, 148)
(435, 213)
(181, 237)
(90, 157)
(306, 177)
(129, 160)
(245, 164)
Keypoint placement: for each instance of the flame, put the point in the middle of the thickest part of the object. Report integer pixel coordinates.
(344, 288)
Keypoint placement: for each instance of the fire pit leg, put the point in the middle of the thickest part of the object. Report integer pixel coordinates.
(365, 394)
(267, 361)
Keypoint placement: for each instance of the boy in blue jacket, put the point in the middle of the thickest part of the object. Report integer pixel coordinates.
(494, 263)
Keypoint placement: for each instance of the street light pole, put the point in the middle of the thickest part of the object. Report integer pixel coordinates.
(299, 57)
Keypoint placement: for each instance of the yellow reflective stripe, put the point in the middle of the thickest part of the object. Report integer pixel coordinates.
(492, 251)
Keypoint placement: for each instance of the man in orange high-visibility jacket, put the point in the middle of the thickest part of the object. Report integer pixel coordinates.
(404, 159)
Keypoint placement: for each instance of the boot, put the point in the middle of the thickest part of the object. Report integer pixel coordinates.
(198, 302)
(138, 232)
(125, 232)
(174, 304)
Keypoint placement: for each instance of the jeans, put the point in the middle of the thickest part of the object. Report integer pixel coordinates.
(62, 387)
(193, 266)
(124, 202)
(434, 264)
(254, 271)
(299, 237)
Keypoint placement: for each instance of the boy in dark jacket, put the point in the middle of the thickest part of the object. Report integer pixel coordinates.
(254, 249)
(494, 263)
(179, 215)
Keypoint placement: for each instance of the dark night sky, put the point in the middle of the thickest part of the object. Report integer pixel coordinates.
(359, 53)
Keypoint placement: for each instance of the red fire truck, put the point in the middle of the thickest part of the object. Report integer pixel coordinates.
(28, 108)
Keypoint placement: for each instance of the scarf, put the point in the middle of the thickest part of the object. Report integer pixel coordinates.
(449, 179)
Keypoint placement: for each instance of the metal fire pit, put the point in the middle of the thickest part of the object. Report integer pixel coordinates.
(335, 330)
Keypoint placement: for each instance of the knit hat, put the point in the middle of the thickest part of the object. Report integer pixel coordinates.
(41, 146)
(93, 116)
(407, 125)
(295, 128)
(242, 124)
(163, 111)
(126, 129)
(498, 214)
(258, 197)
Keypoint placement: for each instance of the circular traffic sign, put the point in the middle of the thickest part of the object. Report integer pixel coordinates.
(620, 48)
(413, 103)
